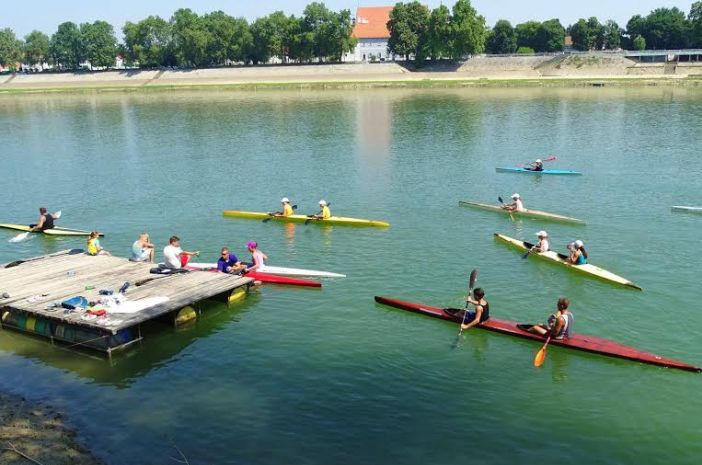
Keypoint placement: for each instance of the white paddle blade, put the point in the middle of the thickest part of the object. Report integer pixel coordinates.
(57, 215)
(19, 237)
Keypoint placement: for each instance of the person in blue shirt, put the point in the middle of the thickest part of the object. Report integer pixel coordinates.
(229, 263)
(578, 254)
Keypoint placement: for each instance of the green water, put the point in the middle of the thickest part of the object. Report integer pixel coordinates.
(318, 377)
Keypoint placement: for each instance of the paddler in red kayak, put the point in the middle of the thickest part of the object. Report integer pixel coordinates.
(481, 313)
(516, 206)
(559, 325)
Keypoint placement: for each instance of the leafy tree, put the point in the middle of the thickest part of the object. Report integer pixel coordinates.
(580, 34)
(190, 38)
(469, 30)
(639, 43)
(331, 31)
(10, 48)
(149, 42)
(550, 36)
(666, 28)
(695, 19)
(99, 43)
(301, 41)
(230, 38)
(502, 38)
(612, 35)
(36, 48)
(596, 33)
(439, 33)
(66, 47)
(272, 36)
(526, 34)
(408, 27)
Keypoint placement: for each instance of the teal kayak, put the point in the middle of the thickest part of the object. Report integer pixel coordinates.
(514, 169)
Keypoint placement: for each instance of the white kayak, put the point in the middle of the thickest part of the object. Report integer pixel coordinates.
(680, 208)
(280, 270)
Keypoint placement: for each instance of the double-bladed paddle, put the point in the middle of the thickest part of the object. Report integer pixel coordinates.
(22, 236)
(541, 354)
(311, 218)
(471, 285)
(551, 158)
(499, 199)
(273, 215)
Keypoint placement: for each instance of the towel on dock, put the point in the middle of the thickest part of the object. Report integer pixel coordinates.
(134, 306)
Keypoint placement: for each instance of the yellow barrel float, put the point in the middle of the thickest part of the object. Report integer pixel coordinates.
(237, 294)
(185, 315)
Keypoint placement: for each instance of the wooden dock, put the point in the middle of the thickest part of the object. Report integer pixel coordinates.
(32, 290)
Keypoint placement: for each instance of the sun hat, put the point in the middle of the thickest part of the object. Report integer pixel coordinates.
(538, 160)
(516, 196)
(285, 200)
(323, 203)
(578, 243)
(252, 245)
(542, 234)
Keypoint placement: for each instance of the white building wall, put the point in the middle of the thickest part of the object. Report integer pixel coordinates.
(365, 48)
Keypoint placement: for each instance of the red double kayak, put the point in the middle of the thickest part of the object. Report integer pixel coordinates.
(575, 341)
(267, 278)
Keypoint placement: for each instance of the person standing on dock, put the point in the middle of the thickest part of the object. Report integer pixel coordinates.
(516, 206)
(175, 257)
(46, 220)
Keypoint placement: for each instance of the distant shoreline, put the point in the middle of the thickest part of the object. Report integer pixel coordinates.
(485, 73)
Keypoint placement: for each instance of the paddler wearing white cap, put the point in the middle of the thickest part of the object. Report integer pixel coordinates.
(516, 206)
(286, 210)
(542, 245)
(324, 211)
(536, 165)
(578, 254)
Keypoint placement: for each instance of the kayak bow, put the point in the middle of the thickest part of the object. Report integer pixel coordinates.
(527, 213)
(56, 231)
(587, 269)
(515, 169)
(334, 220)
(680, 208)
(280, 270)
(582, 342)
(262, 277)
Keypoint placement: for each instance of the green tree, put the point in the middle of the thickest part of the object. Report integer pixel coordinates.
(695, 19)
(149, 42)
(272, 37)
(550, 37)
(639, 43)
(666, 28)
(469, 30)
(439, 39)
(301, 41)
(36, 48)
(502, 38)
(612, 35)
(190, 38)
(596, 33)
(526, 34)
(66, 47)
(10, 48)
(408, 25)
(331, 31)
(230, 38)
(580, 35)
(100, 43)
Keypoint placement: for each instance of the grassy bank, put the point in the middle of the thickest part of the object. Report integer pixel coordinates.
(695, 81)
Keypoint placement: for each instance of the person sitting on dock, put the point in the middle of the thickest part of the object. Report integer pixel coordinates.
(94, 247)
(482, 309)
(516, 206)
(175, 257)
(229, 263)
(578, 254)
(46, 220)
(542, 245)
(324, 212)
(286, 209)
(559, 325)
(258, 258)
(536, 165)
(142, 249)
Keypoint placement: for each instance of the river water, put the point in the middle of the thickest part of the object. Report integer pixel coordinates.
(317, 377)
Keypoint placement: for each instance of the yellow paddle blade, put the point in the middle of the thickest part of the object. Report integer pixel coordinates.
(540, 357)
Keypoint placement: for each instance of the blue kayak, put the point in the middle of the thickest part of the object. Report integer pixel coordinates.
(514, 169)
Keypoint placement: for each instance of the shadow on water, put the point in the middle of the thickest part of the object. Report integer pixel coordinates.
(162, 344)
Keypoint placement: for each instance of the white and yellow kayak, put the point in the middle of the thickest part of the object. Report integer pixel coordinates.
(551, 256)
(526, 213)
(56, 231)
(334, 220)
(682, 208)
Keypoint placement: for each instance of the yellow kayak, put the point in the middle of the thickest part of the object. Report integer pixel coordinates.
(334, 220)
(551, 256)
(56, 231)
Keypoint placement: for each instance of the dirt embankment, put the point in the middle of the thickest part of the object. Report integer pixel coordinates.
(31, 433)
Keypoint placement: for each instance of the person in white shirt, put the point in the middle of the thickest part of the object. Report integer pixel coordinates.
(174, 257)
(542, 245)
(517, 205)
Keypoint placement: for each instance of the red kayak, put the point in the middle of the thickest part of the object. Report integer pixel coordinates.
(576, 341)
(267, 278)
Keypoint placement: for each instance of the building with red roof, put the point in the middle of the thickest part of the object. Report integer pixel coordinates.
(371, 29)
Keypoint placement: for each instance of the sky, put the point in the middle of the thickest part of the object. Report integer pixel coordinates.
(45, 15)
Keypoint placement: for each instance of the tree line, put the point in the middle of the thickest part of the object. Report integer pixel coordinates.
(215, 39)
(189, 40)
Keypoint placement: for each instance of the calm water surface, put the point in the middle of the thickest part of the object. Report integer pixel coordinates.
(319, 377)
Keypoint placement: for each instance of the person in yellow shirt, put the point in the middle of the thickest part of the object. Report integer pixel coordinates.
(287, 210)
(94, 247)
(324, 212)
